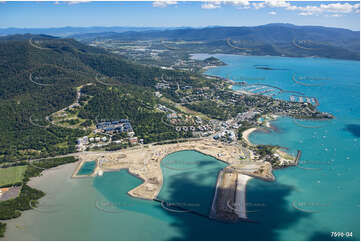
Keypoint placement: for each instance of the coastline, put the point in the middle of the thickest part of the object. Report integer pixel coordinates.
(35, 181)
(246, 133)
(241, 192)
(146, 163)
(40, 183)
(285, 159)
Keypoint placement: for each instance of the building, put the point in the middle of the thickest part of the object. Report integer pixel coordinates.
(85, 140)
(158, 94)
(246, 115)
(133, 140)
(172, 115)
(118, 126)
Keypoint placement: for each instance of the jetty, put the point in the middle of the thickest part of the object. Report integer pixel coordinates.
(298, 156)
(229, 201)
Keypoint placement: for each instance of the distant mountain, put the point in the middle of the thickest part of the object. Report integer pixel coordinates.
(271, 39)
(67, 31)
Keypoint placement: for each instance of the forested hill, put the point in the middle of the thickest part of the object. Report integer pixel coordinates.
(271, 39)
(39, 75)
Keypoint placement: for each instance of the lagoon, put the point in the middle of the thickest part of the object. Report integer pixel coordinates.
(87, 168)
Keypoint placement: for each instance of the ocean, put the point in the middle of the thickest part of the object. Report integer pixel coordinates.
(304, 203)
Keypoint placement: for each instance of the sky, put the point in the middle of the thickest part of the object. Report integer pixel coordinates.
(179, 13)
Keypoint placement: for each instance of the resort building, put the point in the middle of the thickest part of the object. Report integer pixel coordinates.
(118, 126)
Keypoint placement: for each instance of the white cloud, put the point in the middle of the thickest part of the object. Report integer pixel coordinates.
(325, 9)
(241, 2)
(72, 2)
(340, 7)
(305, 13)
(163, 4)
(277, 3)
(258, 5)
(308, 10)
(211, 5)
(336, 8)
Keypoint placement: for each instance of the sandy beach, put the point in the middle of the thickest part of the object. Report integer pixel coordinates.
(246, 133)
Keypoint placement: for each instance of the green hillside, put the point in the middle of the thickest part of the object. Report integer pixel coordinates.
(271, 39)
(39, 76)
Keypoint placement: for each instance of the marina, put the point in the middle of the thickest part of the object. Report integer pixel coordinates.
(291, 185)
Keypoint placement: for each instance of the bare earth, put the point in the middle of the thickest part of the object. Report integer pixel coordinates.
(145, 162)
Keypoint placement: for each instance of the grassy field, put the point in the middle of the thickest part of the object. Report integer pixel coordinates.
(11, 175)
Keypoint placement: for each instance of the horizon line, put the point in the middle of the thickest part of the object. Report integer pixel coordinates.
(181, 26)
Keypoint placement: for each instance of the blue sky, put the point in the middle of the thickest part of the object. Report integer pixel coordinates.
(172, 13)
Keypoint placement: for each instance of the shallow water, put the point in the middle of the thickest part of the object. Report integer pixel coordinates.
(330, 184)
(100, 209)
(87, 168)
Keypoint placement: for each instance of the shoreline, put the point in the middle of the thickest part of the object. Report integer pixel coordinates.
(285, 159)
(39, 182)
(229, 200)
(145, 163)
(241, 191)
(246, 133)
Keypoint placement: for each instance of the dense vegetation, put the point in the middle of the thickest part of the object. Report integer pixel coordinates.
(54, 162)
(2, 229)
(26, 200)
(38, 77)
(28, 196)
(211, 108)
(266, 152)
(131, 102)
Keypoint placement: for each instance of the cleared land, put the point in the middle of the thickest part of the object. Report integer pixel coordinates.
(11, 175)
(145, 162)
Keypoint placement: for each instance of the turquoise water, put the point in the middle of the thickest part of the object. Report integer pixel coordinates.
(190, 178)
(87, 168)
(100, 209)
(331, 188)
(91, 209)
